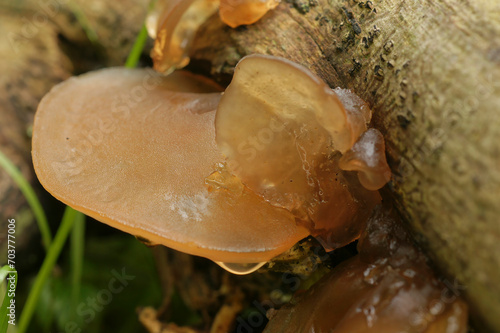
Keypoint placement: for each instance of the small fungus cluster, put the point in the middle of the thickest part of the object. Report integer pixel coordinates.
(165, 158)
(173, 24)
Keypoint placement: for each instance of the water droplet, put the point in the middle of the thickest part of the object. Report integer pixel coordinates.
(240, 269)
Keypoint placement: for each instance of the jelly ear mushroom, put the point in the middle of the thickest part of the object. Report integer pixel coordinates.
(274, 108)
(173, 24)
(132, 149)
(367, 156)
(243, 12)
(388, 287)
(283, 130)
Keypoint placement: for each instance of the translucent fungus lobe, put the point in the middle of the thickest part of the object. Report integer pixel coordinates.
(387, 288)
(283, 131)
(241, 12)
(173, 24)
(368, 158)
(139, 151)
(132, 149)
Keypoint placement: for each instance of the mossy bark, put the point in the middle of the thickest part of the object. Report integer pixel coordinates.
(430, 70)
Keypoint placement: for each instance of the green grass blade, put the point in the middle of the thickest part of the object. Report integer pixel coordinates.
(84, 22)
(135, 53)
(77, 247)
(4, 271)
(30, 196)
(48, 264)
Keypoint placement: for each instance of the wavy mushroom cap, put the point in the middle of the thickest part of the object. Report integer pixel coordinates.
(283, 131)
(137, 151)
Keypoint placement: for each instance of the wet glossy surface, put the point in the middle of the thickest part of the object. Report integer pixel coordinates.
(173, 24)
(367, 156)
(241, 12)
(387, 288)
(283, 130)
(138, 151)
(132, 149)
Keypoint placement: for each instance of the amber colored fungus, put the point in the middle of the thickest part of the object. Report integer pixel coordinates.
(283, 131)
(132, 149)
(173, 24)
(242, 12)
(387, 288)
(368, 158)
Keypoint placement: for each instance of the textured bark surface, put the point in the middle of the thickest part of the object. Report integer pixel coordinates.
(431, 72)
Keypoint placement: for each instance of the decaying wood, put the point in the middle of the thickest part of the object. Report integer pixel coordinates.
(431, 72)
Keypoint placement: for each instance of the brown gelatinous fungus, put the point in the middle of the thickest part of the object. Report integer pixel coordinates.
(173, 24)
(139, 151)
(132, 149)
(243, 12)
(387, 288)
(367, 156)
(283, 131)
